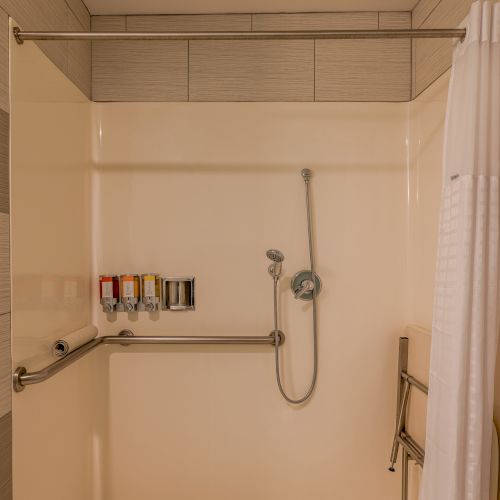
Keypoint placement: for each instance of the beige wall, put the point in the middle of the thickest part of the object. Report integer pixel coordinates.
(73, 58)
(426, 132)
(205, 189)
(54, 430)
(426, 135)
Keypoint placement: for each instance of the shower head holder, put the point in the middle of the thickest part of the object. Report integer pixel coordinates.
(276, 257)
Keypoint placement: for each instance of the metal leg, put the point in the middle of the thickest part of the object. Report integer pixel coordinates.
(402, 368)
(409, 448)
(402, 398)
(400, 424)
(404, 476)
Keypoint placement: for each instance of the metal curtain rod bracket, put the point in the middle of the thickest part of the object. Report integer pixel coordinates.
(22, 377)
(21, 36)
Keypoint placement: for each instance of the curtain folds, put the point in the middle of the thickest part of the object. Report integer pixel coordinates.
(466, 309)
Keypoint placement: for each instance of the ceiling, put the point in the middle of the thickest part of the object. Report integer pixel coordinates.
(99, 7)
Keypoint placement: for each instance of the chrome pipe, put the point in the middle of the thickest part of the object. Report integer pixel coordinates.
(404, 476)
(402, 387)
(21, 36)
(22, 377)
(402, 368)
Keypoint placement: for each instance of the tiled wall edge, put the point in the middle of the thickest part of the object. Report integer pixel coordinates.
(6, 456)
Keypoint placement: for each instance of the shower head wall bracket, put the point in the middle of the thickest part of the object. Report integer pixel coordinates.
(306, 174)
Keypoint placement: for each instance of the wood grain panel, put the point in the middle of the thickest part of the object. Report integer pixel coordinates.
(4, 61)
(81, 12)
(245, 71)
(4, 162)
(434, 57)
(108, 23)
(57, 15)
(43, 15)
(5, 365)
(4, 264)
(212, 22)
(6, 456)
(140, 71)
(394, 20)
(79, 59)
(448, 14)
(422, 10)
(315, 21)
(363, 70)
(251, 70)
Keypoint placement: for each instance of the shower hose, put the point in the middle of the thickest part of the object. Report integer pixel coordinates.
(306, 174)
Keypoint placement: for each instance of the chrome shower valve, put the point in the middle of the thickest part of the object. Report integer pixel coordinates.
(305, 288)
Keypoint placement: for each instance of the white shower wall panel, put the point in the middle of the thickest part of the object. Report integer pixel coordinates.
(205, 190)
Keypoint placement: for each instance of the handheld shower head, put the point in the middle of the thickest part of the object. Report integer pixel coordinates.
(277, 257)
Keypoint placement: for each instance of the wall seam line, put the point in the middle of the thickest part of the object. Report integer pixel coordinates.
(430, 14)
(76, 16)
(314, 71)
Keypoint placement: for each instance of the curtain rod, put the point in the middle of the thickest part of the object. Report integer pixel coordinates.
(21, 36)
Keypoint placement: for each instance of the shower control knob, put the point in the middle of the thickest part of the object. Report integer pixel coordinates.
(305, 288)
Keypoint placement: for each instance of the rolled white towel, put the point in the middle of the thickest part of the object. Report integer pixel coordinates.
(74, 340)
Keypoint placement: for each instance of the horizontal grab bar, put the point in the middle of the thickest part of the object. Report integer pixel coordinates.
(224, 340)
(22, 377)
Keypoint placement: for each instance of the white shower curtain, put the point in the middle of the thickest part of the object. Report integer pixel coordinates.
(466, 319)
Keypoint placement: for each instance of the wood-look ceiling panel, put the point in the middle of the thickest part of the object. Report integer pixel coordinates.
(102, 7)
